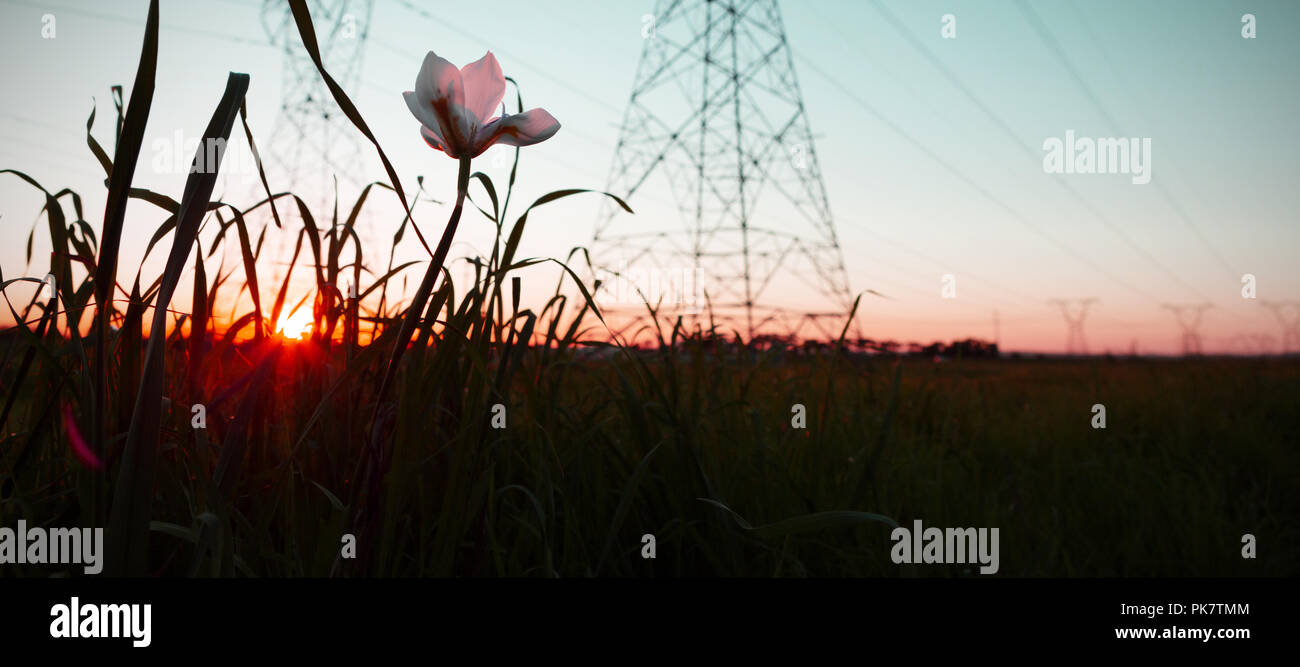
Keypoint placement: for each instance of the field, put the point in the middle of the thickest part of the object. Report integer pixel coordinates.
(597, 452)
(454, 432)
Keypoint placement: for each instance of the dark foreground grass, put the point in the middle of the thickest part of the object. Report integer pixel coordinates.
(520, 442)
(598, 452)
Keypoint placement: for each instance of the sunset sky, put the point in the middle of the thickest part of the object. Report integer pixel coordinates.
(931, 148)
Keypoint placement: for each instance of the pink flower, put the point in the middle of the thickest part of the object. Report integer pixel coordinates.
(456, 109)
(79, 446)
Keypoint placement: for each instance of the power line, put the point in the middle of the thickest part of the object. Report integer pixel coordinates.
(1115, 72)
(522, 62)
(1055, 47)
(47, 161)
(1019, 142)
(138, 23)
(1015, 215)
(41, 149)
(1022, 298)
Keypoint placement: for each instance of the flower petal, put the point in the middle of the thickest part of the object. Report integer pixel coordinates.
(439, 79)
(462, 128)
(440, 87)
(485, 85)
(431, 137)
(525, 129)
(79, 446)
(422, 112)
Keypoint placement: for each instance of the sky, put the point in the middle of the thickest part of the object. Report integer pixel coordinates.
(931, 148)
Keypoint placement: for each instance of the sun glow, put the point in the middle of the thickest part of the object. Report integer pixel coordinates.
(296, 325)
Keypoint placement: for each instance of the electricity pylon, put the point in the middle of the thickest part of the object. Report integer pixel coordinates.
(1189, 318)
(1250, 343)
(313, 142)
(1263, 342)
(1075, 311)
(1288, 316)
(716, 156)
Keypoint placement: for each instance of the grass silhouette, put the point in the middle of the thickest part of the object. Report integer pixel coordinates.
(380, 423)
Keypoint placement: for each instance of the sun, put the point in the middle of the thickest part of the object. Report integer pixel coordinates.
(296, 325)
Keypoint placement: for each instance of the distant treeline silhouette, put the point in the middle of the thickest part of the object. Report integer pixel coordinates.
(970, 348)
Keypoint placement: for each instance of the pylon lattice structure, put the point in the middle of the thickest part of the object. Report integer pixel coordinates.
(716, 156)
(1263, 343)
(313, 142)
(1075, 311)
(1189, 318)
(1249, 343)
(1288, 316)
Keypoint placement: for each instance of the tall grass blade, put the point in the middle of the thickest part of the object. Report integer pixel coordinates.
(302, 18)
(128, 538)
(803, 523)
(126, 154)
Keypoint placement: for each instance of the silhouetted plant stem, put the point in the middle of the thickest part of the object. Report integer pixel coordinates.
(375, 457)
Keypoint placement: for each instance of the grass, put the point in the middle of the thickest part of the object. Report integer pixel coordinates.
(356, 432)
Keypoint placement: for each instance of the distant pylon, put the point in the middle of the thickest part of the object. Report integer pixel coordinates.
(1189, 318)
(716, 128)
(1255, 344)
(1075, 311)
(1263, 342)
(1288, 316)
(313, 142)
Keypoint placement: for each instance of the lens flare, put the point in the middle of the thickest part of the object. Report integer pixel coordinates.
(296, 325)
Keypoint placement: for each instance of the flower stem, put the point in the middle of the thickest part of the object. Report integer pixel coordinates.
(374, 460)
(421, 297)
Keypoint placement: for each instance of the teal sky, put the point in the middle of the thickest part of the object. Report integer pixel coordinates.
(931, 148)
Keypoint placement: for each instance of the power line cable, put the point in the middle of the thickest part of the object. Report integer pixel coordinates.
(1055, 47)
(981, 190)
(139, 24)
(1002, 125)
